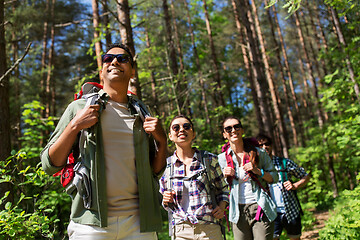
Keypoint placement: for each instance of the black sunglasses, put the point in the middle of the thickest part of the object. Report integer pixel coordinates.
(176, 127)
(237, 127)
(265, 143)
(121, 58)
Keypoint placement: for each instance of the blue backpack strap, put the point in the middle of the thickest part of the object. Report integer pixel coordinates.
(284, 175)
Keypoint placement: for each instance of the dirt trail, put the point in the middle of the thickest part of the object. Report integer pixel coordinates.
(321, 218)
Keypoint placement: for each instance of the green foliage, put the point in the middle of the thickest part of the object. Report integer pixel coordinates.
(344, 222)
(39, 202)
(39, 208)
(34, 127)
(35, 212)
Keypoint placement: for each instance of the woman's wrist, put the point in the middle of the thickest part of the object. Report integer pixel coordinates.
(262, 172)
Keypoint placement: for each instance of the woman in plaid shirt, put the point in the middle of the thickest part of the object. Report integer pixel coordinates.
(186, 190)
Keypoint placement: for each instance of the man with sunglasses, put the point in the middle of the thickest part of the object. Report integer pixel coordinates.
(284, 192)
(118, 151)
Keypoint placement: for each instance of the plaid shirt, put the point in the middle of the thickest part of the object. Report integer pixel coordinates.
(199, 190)
(291, 202)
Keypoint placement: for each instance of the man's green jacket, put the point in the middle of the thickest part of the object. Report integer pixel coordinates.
(93, 158)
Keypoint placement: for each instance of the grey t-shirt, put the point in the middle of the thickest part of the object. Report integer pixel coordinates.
(121, 179)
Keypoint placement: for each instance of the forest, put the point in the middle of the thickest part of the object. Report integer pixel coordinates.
(289, 68)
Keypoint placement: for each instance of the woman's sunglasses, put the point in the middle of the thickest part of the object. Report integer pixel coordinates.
(121, 58)
(265, 143)
(176, 127)
(228, 129)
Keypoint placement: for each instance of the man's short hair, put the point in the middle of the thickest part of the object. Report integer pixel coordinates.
(123, 46)
(262, 136)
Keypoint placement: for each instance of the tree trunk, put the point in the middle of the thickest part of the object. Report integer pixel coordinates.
(43, 99)
(152, 74)
(50, 102)
(219, 99)
(5, 144)
(172, 60)
(317, 36)
(285, 87)
(272, 86)
(319, 25)
(330, 163)
(198, 66)
(287, 66)
(106, 22)
(97, 40)
(177, 40)
(182, 78)
(312, 53)
(17, 125)
(310, 73)
(343, 45)
(169, 37)
(259, 83)
(317, 108)
(314, 59)
(249, 73)
(127, 39)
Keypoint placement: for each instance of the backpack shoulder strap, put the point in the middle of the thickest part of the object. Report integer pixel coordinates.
(139, 107)
(283, 169)
(169, 173)
(204, 155)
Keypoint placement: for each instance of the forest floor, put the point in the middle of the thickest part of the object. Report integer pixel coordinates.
(321, 218)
